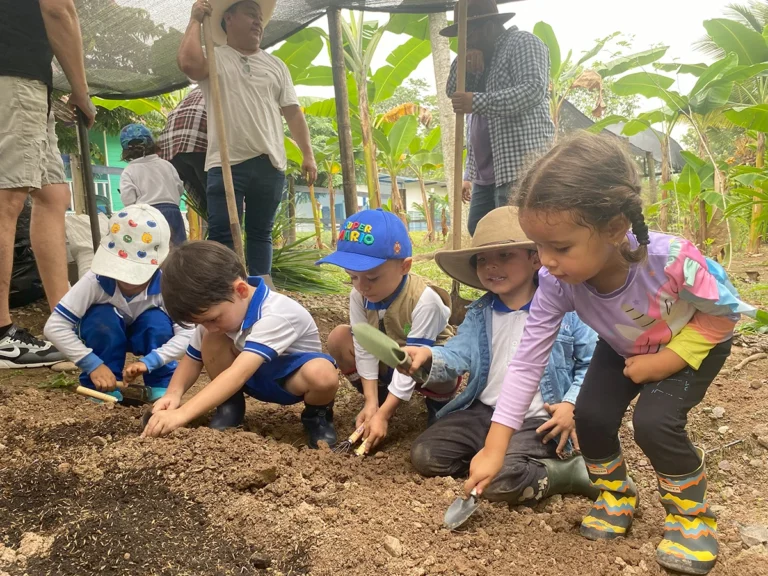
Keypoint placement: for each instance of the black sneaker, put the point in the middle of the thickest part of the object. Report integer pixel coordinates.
(19, 349)
(318, 424)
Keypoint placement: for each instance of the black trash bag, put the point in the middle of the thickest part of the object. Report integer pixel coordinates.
(26, 286)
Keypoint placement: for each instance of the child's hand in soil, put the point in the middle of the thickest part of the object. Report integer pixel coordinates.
(653, 367)
(366, 414)
(560, 424)
(483, 468)
(132, 371)
(163, 422)
(168, 402)
(420, 356)
(103, 379)
(377, 431)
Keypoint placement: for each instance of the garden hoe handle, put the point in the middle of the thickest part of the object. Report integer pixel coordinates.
(458, 159)
(83, 391)
(221, 133)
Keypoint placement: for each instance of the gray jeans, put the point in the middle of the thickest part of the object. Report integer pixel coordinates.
(484, 199)
(448, 446)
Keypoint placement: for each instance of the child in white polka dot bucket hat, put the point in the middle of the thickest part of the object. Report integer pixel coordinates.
(118, 307)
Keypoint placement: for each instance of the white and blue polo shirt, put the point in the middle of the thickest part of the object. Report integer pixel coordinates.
(273, 325)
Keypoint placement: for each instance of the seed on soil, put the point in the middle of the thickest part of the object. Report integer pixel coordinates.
(127, 556)
(393, 546)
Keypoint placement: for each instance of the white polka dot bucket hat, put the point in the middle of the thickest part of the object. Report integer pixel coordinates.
(136, 244)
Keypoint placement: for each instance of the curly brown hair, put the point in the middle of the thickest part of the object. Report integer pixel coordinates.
(595, 179)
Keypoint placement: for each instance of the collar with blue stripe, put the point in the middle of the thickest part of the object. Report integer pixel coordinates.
(384, 304)
(109, 285)
(253, 314)
(499, 306)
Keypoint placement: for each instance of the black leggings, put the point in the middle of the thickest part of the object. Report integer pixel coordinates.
(660, 415)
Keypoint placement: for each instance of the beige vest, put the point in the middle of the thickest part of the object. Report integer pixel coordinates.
(399, 315)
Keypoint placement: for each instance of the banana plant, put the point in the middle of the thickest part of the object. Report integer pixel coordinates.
(328, 163)
(393, 158)
(566, 75)
(424, 157)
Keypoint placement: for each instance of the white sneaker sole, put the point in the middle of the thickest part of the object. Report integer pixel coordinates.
(9, 364)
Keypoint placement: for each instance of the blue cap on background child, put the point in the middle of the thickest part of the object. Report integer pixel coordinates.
(135, 133)
(135, 245)
(368, 239)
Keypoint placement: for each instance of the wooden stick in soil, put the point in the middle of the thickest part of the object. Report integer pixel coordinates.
(221, 134)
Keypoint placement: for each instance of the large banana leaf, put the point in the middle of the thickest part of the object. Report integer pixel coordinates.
(432, 140)
(651, 86)
(401, 63)
(139, 106)
(624, 63)
(415, 25)
(300, 50)
(547, 35)
(750, 117)
(315, 76)
(401, 135)
(749, 46)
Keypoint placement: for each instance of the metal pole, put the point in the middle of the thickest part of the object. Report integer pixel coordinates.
(347, 158)
(221, 133)
(458, 165)
(87, 169)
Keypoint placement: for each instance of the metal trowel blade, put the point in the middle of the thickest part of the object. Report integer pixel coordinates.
(460, 511)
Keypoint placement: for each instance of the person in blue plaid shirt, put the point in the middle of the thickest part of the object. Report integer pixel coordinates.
(506, 93)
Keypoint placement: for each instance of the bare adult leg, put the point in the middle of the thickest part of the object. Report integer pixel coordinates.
(11, 205)
(49, 204)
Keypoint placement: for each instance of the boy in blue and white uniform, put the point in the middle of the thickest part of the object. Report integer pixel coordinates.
(250, 339)
(117, 307)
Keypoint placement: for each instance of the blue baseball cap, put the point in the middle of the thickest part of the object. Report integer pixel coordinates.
(368, 239)
(135, 132)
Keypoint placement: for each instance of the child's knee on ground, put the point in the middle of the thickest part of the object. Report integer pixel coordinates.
(317, 381)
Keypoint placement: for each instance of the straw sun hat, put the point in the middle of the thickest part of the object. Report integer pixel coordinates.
(496, 230)
(477, 11)
(218, 7)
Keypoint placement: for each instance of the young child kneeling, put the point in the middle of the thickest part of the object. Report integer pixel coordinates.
(117, 307)
(250, 340)
(375, 250)
(504, 262)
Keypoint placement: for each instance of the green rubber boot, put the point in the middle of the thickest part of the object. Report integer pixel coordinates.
(690, 528)
(612, 513)
(568, 477)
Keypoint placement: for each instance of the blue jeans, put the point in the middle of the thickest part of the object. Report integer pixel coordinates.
(484, 199)
(175, 221)
(104, 330)
(260, 185)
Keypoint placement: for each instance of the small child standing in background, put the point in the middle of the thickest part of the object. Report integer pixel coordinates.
(148, 179)
(375, 250)
(117, 307)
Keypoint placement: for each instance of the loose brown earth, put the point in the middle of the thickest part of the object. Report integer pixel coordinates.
(81, 493)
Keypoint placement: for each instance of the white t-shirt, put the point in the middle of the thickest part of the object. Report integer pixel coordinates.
(507, 330)
(150, 180)
(429, 318)
(274, 324)
(253, 90)
(91, 290)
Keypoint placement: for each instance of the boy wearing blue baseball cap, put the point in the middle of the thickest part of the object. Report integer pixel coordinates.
(375, 250)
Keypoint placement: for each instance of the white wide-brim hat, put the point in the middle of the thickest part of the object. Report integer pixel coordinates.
(218, 7)
(135, 245)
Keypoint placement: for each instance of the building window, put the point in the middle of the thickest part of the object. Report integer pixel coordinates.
(103, 195)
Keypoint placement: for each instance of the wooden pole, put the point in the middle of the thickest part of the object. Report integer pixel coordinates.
(221, 133)
(458, 164)
(88, 185)
(347, 158)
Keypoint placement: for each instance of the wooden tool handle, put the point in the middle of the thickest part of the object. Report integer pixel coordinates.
(355, 436)
(83, 391)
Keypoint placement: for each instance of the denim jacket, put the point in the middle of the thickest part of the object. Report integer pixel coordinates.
(470, 351)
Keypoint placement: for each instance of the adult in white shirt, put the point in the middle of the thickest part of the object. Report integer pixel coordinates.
(256, 89)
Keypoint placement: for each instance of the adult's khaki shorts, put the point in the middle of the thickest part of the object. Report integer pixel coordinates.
(29, 152)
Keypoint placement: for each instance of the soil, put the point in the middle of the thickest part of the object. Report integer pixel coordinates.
(82, 493)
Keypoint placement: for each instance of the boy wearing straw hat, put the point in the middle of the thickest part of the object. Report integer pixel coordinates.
(117, 307)
(505, 263)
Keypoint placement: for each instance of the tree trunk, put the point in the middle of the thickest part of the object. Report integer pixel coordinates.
(444, 222)
(291, 234)
(665, 177)
(757, 208)
(397, 204)
(369, 146)
(441, 60)
(316, 217)
(702, 231)
(332, 200)
(653, 193)
(427, 209)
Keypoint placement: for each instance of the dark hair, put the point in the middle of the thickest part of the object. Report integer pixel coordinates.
(138, 149)
(595, 179)
(196, 276)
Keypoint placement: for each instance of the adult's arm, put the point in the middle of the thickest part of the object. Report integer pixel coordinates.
(472, 81)
(297, 124)
(191, 58)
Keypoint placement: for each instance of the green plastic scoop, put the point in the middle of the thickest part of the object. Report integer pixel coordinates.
(385, 349)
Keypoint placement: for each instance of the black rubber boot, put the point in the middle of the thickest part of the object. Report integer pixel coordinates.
(568, 477)
(318, 424)
(229, 414)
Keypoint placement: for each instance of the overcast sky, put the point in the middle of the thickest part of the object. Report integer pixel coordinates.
(578, 23)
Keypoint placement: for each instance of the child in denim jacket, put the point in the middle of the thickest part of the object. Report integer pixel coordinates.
(504, 262)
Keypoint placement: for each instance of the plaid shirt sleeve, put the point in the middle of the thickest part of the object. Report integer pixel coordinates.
(526, 62)
(473, 81)
(186, 129)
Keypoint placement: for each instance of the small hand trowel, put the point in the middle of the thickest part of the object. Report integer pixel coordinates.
(460, 511)
(385, 349)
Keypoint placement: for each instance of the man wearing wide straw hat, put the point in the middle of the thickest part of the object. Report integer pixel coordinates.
(507, 87)
(504, 262)
(256, 91)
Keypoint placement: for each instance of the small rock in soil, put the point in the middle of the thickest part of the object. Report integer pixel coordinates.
(99, 441)
(717, 413)
(64, 468)
(34, 544)
(393, 546)
(2, 447)
(620, 561)
(756, 384)
(724, 465)
(754, 535)
(755, 463)
(728, 492)
(763, 441)
(260, 562)
(642, 463)
(722, 430)
(127, 556)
